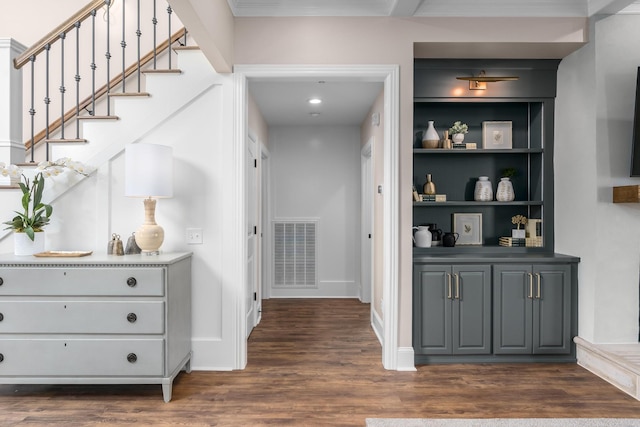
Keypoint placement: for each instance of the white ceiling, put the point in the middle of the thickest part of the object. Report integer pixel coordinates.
(428, 8)
(283, 103)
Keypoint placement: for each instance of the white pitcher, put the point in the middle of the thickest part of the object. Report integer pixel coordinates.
(422, 237)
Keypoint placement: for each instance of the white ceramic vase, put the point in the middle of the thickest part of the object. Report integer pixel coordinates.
(23, 245)
(483, 191)
(430, 137)
(504, 192)
(457, 137)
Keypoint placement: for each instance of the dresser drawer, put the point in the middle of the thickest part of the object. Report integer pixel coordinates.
(85, 357)
(82, 281)
(81, 317)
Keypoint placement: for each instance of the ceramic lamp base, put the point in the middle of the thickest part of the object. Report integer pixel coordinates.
(149, 236)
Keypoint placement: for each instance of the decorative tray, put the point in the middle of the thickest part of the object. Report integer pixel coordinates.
(63, 253)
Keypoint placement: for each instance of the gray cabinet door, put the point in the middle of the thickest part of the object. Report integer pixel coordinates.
(532, 309)
(432, 309)
(512, 308)
(452, 309)
(472, 309)
(552, 309)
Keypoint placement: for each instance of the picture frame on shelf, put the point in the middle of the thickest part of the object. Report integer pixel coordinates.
(469, 228)
(497, 135)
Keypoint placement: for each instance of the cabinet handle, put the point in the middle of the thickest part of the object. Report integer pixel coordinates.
(530, 296)
(131, 281)
(457, 286)
(1, 357)
(131, 317)
(132, 358)
(449, 285)
(538, 277)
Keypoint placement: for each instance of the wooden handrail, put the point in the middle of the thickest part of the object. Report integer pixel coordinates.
(103, 90)
(65, 27)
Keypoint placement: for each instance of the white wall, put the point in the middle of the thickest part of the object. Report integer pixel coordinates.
(315, 173)
(594, 125)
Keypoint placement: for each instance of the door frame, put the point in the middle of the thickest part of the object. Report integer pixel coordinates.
(390, 76)
(366, 218)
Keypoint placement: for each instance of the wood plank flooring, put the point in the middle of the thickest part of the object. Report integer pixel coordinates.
(318, 363)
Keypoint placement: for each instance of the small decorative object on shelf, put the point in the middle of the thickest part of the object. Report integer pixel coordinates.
(430, 137)
(483, 191)
(519, 220)
(504, 192)
(429, 187)
(496, 135)
(446, 142)
(457, 131)
(422, 237)
(416, 196)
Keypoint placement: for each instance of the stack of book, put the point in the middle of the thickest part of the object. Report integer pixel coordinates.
(529, 242)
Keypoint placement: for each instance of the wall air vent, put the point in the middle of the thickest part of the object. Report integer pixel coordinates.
(295, 253)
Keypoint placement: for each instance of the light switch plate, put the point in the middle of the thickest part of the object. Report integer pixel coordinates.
(194, 236)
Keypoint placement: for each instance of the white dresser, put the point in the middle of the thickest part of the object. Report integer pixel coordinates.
(97, 319)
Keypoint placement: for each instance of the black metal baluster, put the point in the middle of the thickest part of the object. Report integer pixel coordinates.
(138, 33)
(123, 43)
(108, 56)
(155, 31)
(169, 12)
(77, 77)
(47, 100)
(32, 110)
(185, 37)
(62, 88)
(93, 63)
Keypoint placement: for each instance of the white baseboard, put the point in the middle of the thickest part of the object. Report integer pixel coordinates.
(609, 366)
(406, 359)
(209, 355)
(376, 325)
(325, 289)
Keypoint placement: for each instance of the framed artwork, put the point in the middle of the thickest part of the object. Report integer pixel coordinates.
(496, 135)
(469, 228)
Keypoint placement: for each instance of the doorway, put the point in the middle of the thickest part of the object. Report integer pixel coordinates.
(389, 76)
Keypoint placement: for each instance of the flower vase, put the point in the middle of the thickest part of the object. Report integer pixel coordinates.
(504, 192)
(457, 138)
(483, 191)
(430, 137)
(23, 245)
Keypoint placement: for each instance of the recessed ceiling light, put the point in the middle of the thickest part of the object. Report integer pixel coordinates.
(315, 101)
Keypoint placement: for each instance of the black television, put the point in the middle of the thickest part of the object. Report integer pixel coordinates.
(635, 143)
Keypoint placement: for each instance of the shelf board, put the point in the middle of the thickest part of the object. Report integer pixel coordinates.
(474, 203)
(478, 151)
(626, 194)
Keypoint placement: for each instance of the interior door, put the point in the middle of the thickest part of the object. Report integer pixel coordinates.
(251, 235)
(366, 213)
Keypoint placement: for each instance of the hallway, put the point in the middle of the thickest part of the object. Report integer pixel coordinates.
(316, 362)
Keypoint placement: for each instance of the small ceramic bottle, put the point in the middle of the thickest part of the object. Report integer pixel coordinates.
(429, 187)
(430, 137)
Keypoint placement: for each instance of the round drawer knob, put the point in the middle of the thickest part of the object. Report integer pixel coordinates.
(131, 317)
(132, 358)
(1, 357)
(1, 281)
(1, 317)
(131, 281)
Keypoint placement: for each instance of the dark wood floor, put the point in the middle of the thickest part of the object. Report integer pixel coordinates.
(317, 363)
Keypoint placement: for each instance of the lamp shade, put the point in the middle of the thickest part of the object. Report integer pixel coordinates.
(148, 170)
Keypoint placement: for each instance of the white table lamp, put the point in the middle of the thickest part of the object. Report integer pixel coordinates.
(149, 174)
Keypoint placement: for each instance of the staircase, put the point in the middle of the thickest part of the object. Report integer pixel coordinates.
(162, 95)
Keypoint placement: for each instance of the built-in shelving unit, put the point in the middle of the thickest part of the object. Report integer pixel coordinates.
(486, 302)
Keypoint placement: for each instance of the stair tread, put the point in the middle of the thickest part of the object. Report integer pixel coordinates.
(98, 118)
(133, 94)
(9, 187)
(166, 71)
(65, 140)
